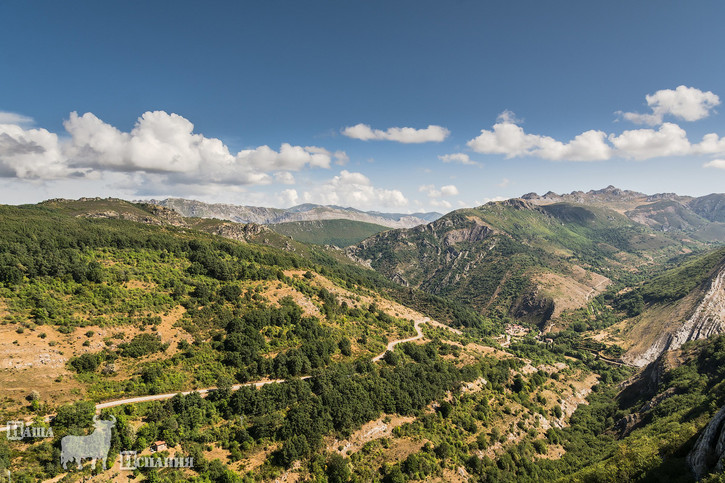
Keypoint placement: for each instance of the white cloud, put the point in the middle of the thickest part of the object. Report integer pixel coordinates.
(686, 103)
(509, 139)
(354, 189)
(461, 158)
(710, 144)
(160, 143)
(449, 190)
(289, 157)
(432, 192)
(715, 163)
(504, 183)
(669, 140)
(341, 158)
(444, 204)
(32, 154)
(15, 118)
(405, 135)
(289, 197)
(284, 177)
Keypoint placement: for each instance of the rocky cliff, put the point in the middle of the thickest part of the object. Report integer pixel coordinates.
(707, 320)
(708, 454)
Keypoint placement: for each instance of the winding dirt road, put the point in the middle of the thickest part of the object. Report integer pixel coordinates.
(204, 392)
(400, 341)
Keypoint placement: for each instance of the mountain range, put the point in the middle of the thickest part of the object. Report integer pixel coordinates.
(304, 212)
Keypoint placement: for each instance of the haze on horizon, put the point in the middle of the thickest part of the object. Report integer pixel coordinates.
(415, 106)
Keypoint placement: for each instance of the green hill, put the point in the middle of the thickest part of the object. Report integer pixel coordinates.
(503, 257)
(341, 233)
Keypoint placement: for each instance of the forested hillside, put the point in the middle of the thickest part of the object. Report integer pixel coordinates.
(104, 301)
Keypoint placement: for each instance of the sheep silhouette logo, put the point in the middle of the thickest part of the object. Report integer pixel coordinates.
(94, 446)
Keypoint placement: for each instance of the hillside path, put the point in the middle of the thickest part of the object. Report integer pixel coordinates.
(393, 343)
(206, 391)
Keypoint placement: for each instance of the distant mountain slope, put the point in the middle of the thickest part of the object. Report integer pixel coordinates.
(305, 212)
(711, 207)
(667, 215)
(702, 218)
(341, 233)
(520, 259)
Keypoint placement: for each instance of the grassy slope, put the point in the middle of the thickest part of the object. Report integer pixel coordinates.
(340, 233)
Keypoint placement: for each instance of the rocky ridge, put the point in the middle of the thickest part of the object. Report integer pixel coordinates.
(305, 212)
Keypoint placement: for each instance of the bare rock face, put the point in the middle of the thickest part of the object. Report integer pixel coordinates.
(471, 234)
(533, 308)
(153, 214)
(707, 321)
(239, 232)
(708, 454)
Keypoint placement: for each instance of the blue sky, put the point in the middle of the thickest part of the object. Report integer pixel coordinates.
(359, 103)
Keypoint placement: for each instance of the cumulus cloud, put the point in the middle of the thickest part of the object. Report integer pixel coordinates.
(509, 139)
(289, 197)
(32, 154)
(686, 103)
(160, 143)
(461, 158)
(444, 204)
(669, 140)
(284, 177)
(711, 144)
(715, 163)
(15, 118)
(432, 192)
(354, 189)
(449, 190)
(407, 135)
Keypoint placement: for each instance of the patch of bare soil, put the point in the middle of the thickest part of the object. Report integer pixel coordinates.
(138, 284)
(256, 459)
(274, 294)
(168, 330)
(368, 432)
(554, 452)
(459, 475)
(573, 290)
(400, 449)
(32, 362)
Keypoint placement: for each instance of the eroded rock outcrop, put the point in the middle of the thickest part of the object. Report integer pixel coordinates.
(707, 320)
(708, 454)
